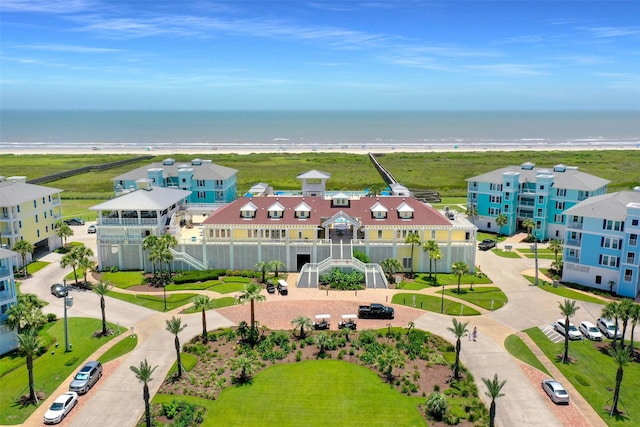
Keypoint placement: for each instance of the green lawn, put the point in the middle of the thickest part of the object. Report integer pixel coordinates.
(219, 303)
(489, 298)
(434, 304)
(505, 254)
(564, 291)
(123, 347)
(123, 279)
(221, 286)
(198, 286)
(593, 374)
(311, 393)
(155, 302)
(452, 279)
(49, 369)
(519, 350)
(35, 266)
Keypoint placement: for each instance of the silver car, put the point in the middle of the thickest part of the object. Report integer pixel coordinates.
(86, 377)
(555, 391)
(590, 331)
(61, 407)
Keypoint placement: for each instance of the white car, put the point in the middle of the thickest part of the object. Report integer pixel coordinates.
(608, 328)
(556, 392)
(61, 407)
(590, 331)
(571, 331)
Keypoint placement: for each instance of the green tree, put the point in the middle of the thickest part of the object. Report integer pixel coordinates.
(412, 239)
(555, 246)
(86, 265)
(28, 344)
(245, 365)
(390, 266)
(494, 389)
(324, 343)
(77, 256)
(389, 359)
(26, 314)
(611, 310)
(459, 330)
(431, 247)
(437, 256)
(150, 244)
(175, 326)
(472, 212)
(529, 224)
(102, 289)
(23, 247)
(501, 221)
(252, 294)
(275, 266)
(304, 323)
(63, 231)
(263, 267)
(459, 268)
(568, 309)
(203, 303)
(622, 356)
(143, 374)
(625, 308)
(166, 243)
(375, 189)
(635, 316)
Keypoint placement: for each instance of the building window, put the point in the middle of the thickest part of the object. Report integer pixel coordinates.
(560, 205)
(558, 218)
(506, 208)
(202, 195)
(608, 242)
(507, 196)
(494, 211)
(631, 257)
(628, 275)
(598, 280)
(607, 224)
(201, 182)
(608, 260)
(488, 225)
(562, 192)
(539, 212)
(634, 222)
(37, 218)
(379, 234)
(542, 186)
(496, 199)
(275, 214)
(633, 239)
(407, 263)
(540, 199)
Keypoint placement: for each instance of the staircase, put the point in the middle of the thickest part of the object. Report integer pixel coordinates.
(188, 259)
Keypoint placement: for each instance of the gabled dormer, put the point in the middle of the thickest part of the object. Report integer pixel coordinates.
(302, 211)
(275, 211)
(340, 200)
(378, 211)
(405, 211)
(248, 211)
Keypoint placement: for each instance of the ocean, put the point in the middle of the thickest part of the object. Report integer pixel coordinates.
(316, 130)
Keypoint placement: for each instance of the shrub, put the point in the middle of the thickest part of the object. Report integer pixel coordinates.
(298, 356)
(436, 405)
(51, 317)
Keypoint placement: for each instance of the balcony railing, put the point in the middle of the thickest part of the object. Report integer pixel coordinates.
(577, 225)
(571, 258)
(573, 242)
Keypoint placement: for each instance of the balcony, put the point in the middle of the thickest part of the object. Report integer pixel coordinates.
(573, 242)
(571, 258)
(577, 225)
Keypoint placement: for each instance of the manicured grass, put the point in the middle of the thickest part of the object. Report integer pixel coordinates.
(542, 254)
(123, 279)
(222, 287)
(318, 393)
(434, 303)
(219, 303)
(36, 266)
(49, 369)
(452, 279)
(489, 298)
(482, 235)
(236, 279)
(226, 288)
(413, 286)
(123, 347)
(593, 374)
(519, 350)
(154, 302)
(505, 254)
(564, 291)
(199, 286)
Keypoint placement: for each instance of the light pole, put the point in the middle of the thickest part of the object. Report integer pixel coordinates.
(68, 302)
(442, 302)
(534, 248)
(164, 293)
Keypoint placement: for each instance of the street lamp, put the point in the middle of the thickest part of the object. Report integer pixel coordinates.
(164, 292)
(534, 248)
(68, 302)
(442, 302)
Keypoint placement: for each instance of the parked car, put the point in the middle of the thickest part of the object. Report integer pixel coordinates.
(572, 331)
(348, 321)
(74, 221)
(90, 373)
(555, 391)
(59, 290)
(375, 311)
(91, 229)
(487, 244)
(322, 322)
(590, 331)
(61, 407)
(282, 287)
(608, 328)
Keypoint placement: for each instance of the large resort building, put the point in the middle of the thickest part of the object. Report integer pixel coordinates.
(311, 231)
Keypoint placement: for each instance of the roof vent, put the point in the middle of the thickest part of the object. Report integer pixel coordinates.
(527, 166)
(168, 162)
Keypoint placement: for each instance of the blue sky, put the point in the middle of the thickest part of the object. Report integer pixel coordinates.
(320, 54)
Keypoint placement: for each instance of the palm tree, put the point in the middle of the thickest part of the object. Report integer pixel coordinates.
(459, 268)
(26, 314)
(276, 265)
(626, 307)
(143, 374)
(375, 190)
(568, 309)
(63, 231)
(262, 267)
(622, 356)
(175, 326)
(431, 247)
(437, 256)
(529, 224)
(412, 239)
(391, 358)
(324, 342)
(635, 316)
(501, 220)
(86, 265)
(390, 266)
(555, 246)
(23, 247)
(252, 294)
(303, 323)
(459, 330)
(28, 343)
(246, 364)
(203, 303)
(167, 242)
(494, 388)
(76, 257)
(611, 310)
(102, 289)
(150, 243)
(472, 212)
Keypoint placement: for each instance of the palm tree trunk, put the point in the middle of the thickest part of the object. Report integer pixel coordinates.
(177, 343)
(253, 317)
(104, 320)
(204, 326)
(75, 275)
(633, 328)
(616, 394)
(32, 387)
(147, 408)
(456, 368)
(492, 413)
(565, 357)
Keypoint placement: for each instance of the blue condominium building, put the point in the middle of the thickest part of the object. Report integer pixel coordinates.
(601, 247)
(209, 183)
(528, 192)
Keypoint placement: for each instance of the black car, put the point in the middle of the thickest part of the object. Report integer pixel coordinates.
(74, 221)
(59, 290)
